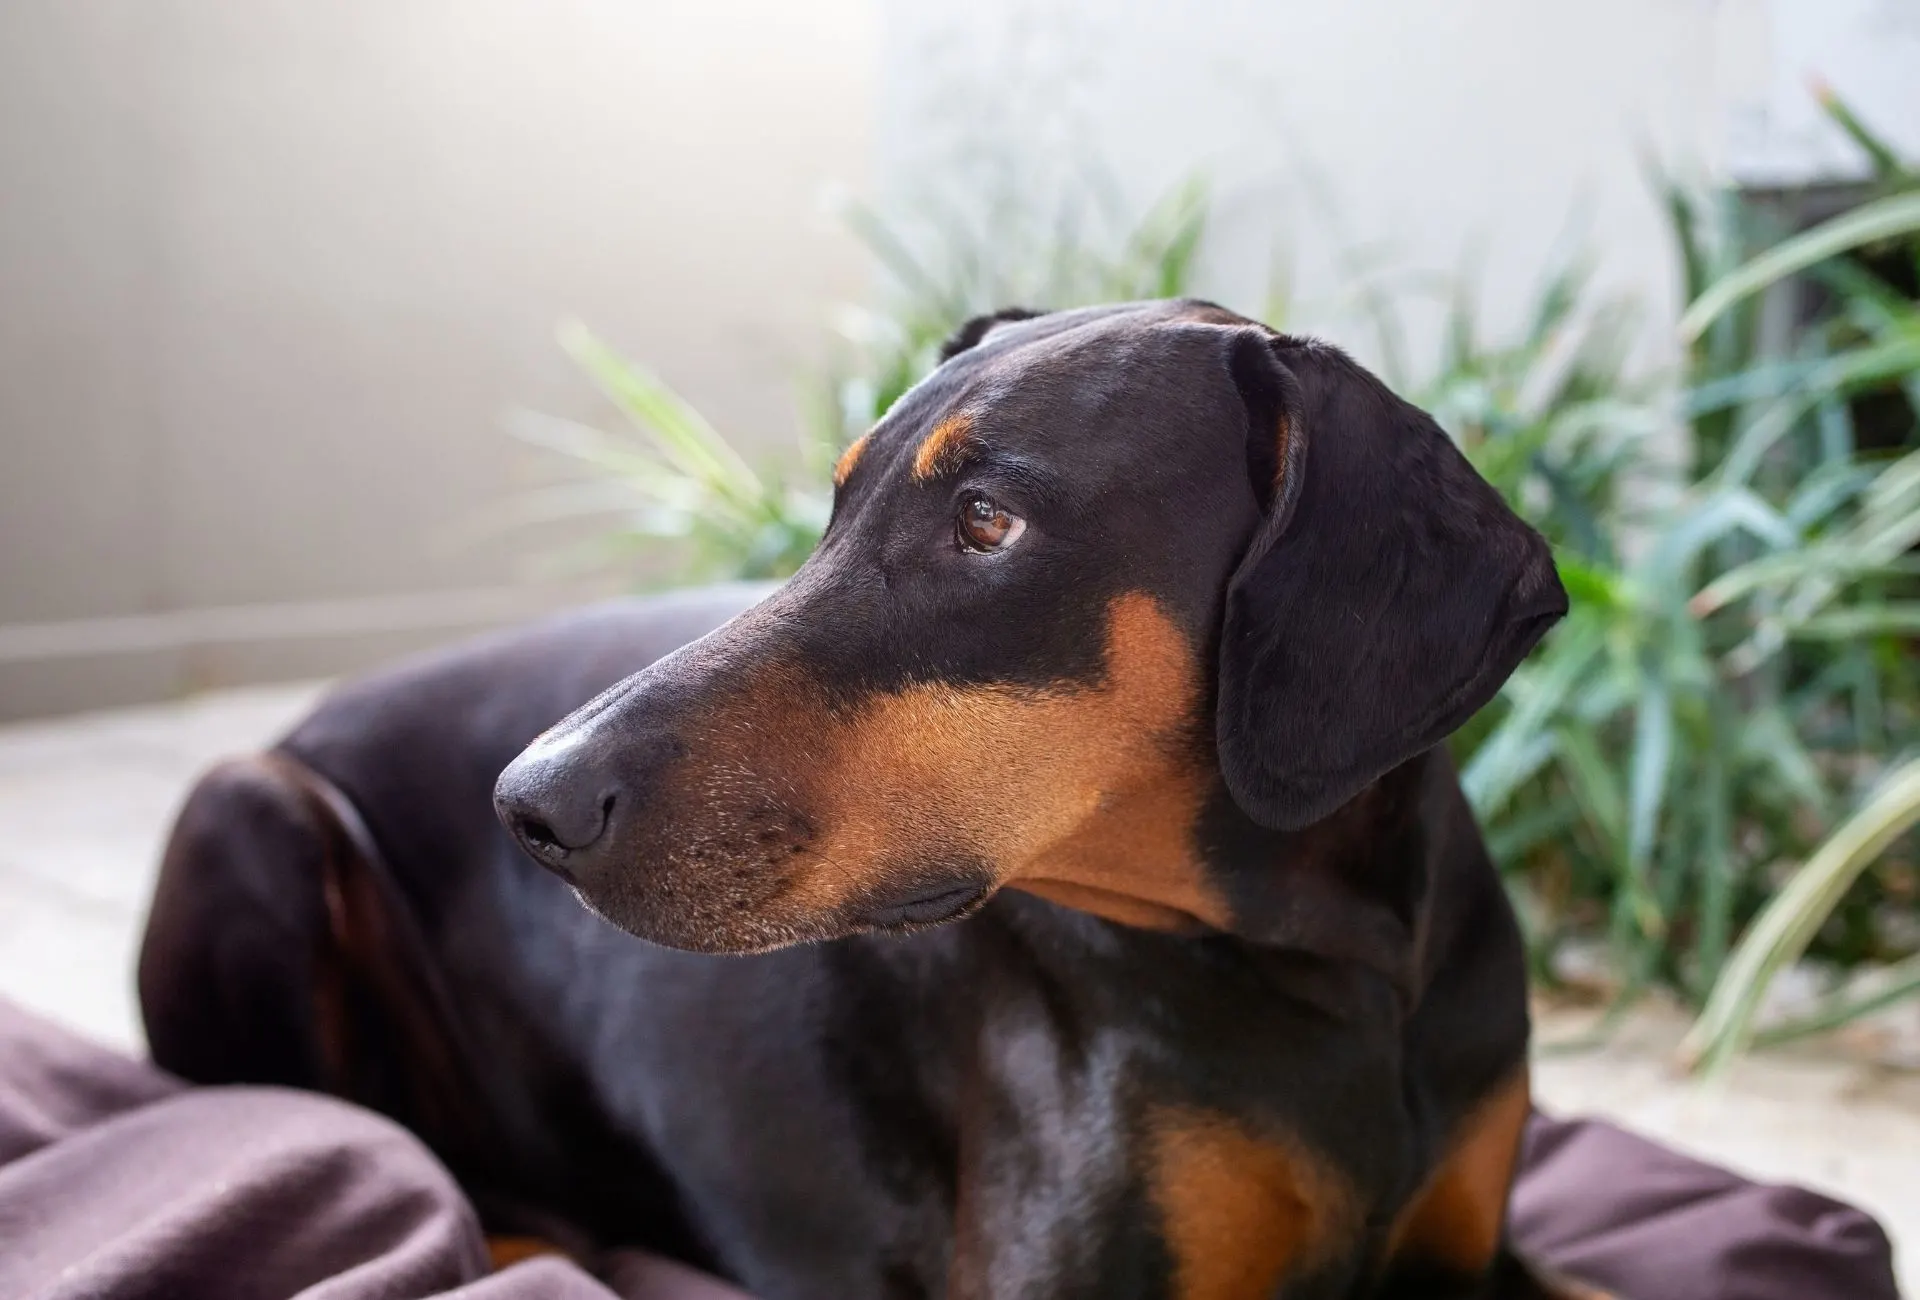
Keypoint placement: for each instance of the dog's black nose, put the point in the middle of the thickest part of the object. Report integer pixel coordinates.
(555, 805)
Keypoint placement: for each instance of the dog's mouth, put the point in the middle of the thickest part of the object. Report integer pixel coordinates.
(947, 903)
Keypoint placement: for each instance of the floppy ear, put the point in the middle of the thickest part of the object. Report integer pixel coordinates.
(970, 334)
(1387, 595)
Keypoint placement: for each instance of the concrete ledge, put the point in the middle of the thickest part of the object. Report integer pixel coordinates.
(85, 664)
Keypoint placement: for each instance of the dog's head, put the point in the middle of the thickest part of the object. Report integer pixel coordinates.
(1101, 576)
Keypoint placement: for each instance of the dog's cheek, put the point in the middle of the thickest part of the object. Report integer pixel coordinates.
(1013, 776)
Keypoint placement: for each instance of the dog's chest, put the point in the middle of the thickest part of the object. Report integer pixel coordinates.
(1129, 1162)
(1155, 1135)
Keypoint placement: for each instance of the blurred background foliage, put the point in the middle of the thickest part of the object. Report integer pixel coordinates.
(1706, 773)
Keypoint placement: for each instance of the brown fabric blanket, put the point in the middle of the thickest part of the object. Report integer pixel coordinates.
(118, 1182)
(1619, 1212)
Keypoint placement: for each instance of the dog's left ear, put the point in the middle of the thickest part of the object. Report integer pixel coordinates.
(1387, 595)
(969, 335)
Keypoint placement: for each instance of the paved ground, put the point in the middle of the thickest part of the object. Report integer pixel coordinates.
(85, 803)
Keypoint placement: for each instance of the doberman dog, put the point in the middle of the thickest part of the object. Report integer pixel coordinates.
(1118, 924)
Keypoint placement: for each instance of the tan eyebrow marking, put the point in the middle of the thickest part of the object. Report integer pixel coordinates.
(849, 458)
(942, 447)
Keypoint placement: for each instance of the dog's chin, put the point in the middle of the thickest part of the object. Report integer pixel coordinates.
(739, 936)
(769, 929)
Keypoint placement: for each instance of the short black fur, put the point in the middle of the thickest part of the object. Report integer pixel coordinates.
(962, 1112)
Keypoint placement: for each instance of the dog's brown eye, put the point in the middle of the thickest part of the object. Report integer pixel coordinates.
(986, 525)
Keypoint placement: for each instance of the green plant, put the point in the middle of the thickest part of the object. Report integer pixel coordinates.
(1695, 722)
(672, 478)
(1782, 932)
(1733, 673)
(1879, 345)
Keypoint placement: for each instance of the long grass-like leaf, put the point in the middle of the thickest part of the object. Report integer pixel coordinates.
(1887, 165)
(1648, 764)
(1715, 803)
(1725, 511)
(683, 433)
(1895, 984)
(1781, 933)
(1897, 214)
(1902, 619)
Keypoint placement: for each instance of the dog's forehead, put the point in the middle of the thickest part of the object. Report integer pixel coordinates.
(1092, 341)
(1114, 320)
(1052, 377)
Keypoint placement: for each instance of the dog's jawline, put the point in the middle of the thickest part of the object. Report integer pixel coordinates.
(932, 908)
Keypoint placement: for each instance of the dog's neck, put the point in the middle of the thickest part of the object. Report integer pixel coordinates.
(1133, 857)
(1118, 906)
(1183, 859)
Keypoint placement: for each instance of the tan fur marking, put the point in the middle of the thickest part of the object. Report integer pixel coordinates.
(1086, 787)
(1240, 1213)
(1086, 793)
(1126, 909)
(843, 467)
(942, 446)
(505, 1252)
(1455, 1220)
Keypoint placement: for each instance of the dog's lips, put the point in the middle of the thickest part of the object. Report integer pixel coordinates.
(930, 907)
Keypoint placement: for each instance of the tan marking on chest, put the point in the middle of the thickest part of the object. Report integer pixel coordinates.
(843, 468)
(1240, 1213)
(942, 446)
(1457, 1218)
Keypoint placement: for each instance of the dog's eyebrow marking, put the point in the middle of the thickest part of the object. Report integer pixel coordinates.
(850, 457)
(943, 447)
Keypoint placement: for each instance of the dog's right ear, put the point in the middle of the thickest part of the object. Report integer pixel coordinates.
(970, 334)
(1387, 595)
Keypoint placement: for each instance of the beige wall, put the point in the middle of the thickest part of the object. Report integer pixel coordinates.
(1403, 133)
(271, 272)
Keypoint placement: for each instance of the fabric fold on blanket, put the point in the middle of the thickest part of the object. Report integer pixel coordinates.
(118, 1182)
(1618, 1211)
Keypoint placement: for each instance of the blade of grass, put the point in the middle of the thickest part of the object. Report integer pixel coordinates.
(1897, 214)
(1781, 932)
(1899, 982)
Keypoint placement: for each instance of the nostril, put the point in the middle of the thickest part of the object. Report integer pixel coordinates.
(558, 806)
(552, 838)
(539, 835)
